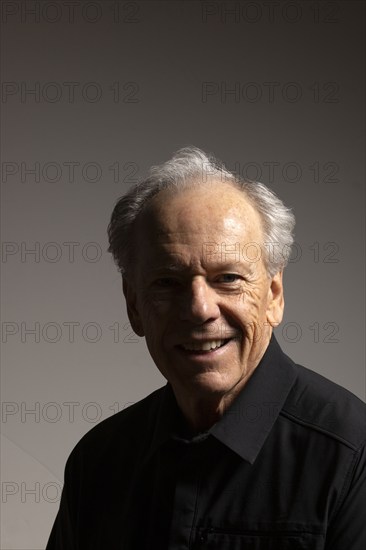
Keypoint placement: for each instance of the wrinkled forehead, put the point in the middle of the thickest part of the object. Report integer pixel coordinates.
(219, 210)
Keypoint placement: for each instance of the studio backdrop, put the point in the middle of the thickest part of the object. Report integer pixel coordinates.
(92, 94)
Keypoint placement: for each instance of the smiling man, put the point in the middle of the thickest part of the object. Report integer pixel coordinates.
(206, 314)
(242, 448)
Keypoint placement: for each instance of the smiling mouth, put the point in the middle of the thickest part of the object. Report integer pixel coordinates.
(206, 347)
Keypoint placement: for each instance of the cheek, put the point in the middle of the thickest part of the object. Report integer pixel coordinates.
(155, 317)
(253, 303)
(252, 313)
(153, 307)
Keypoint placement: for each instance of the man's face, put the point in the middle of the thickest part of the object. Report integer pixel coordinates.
(200, 293)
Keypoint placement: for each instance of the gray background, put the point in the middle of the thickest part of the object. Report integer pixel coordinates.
(274, 89)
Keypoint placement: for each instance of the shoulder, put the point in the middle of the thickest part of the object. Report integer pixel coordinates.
(324, 406)
(126, 429)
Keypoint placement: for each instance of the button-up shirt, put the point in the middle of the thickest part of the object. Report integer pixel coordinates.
(283, 469)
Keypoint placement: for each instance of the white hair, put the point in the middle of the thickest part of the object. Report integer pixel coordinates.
(190, 167)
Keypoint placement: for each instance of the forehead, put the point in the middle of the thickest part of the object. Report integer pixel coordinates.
(216, 209)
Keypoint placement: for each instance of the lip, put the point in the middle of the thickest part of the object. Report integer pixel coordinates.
(207, 338)
(204, 356)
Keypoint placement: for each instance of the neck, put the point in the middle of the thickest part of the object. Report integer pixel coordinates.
(202, 410)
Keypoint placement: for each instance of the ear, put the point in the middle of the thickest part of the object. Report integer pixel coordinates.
(276, 302)
(131, 303)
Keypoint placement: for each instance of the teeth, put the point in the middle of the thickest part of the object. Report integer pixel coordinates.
(204, 346)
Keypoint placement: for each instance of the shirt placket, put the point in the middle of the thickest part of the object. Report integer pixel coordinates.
(186, 496)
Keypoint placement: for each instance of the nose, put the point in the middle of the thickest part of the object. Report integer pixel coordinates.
(199, 303)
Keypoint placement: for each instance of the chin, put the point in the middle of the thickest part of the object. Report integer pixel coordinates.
(211, 383)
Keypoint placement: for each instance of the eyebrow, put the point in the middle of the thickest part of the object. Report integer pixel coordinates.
(179, 267)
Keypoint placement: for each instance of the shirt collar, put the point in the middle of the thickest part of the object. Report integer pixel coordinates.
(246, 424)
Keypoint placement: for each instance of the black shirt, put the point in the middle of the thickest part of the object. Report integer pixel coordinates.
(284, 468)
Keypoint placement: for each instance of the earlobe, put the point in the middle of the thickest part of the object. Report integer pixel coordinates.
(132, 312)
(276, 300)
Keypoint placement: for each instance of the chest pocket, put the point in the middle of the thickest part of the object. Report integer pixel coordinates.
(233, 539)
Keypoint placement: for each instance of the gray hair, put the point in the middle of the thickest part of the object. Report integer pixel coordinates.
(191, 167)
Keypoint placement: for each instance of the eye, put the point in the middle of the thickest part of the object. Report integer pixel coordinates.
(228, 278)
(165, 282)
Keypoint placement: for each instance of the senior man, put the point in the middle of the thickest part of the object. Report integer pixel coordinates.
(242, 448)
